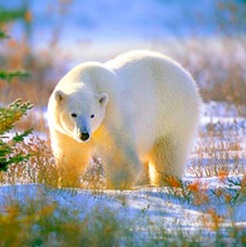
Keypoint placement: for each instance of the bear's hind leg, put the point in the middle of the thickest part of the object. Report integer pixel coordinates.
(144, 175)
(167, 158)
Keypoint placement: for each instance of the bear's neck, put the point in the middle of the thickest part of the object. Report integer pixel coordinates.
(100, 135)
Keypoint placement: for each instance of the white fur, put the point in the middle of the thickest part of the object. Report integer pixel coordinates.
(150, 116)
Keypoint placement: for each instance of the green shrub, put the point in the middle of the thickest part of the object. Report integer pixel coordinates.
(8, 117)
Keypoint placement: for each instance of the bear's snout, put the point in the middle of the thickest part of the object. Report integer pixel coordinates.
(84, 136)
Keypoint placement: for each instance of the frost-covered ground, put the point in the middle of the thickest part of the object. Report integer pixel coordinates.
(201, 206)
(146, 209)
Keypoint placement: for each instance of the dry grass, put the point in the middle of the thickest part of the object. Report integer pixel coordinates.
(220, 149)
(216, 63)
(42, 223)
(41, 169)
(218, 69)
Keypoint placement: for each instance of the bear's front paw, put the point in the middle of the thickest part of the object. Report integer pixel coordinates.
(122, 180)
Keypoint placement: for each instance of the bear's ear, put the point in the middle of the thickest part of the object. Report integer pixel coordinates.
(59, 96)
(103, 99)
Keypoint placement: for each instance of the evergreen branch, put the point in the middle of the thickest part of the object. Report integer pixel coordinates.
(8, 116)
(10, 15)
(5, 162)
(3, 35)
(20, 137)
(8, 76)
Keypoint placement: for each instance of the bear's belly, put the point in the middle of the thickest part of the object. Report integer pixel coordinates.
(144, 143)
(141, 117)
(145, 134)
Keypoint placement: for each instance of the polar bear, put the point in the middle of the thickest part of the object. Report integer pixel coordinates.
(139, 112)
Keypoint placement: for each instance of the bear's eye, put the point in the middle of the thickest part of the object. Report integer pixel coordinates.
(74, 115)
(92, 116)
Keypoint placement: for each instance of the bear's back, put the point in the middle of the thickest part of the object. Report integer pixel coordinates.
(158, 89)
(132, 57)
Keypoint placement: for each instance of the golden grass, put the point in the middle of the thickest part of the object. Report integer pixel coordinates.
(42, 223)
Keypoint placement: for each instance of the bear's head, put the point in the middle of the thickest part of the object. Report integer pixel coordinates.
(79, 113)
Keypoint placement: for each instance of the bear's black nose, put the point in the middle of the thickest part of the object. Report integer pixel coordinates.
(84, 136)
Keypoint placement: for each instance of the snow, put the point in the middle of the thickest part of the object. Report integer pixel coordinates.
(141, 208)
